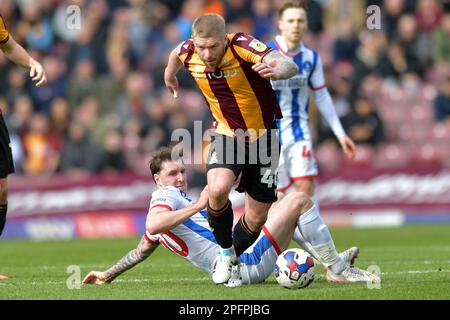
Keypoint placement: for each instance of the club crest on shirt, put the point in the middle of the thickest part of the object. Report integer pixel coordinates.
(307, 66)
(257, 45)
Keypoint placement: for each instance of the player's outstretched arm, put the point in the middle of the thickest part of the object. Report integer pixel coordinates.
(170, 73)
(275, 66)
(143, 250)
(17, 54)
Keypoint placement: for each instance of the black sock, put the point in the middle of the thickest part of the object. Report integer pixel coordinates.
(221, 221)
(3, 210)
(243, 237)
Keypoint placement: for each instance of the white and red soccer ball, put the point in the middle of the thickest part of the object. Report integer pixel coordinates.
(294, 269)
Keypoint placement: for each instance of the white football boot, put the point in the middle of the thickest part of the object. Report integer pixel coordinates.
(353, 274)
(235, 279)
(223, 265)
(348, 256)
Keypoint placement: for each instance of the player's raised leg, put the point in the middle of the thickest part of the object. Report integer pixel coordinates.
(314, 231)
(348, 256)
(220, 218)
(283, 217)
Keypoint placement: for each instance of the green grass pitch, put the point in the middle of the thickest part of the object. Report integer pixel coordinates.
(414, 262)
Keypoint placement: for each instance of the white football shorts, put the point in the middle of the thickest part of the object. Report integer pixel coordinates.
(297, 162)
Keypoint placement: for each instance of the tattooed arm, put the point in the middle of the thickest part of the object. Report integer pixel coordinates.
(275, 66)
(132, 258)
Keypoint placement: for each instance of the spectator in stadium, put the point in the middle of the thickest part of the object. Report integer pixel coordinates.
(41, 146)
(363, 123)
(112, 158)
(91, 38)
(55, 68)
(79, 155)
(133, 146)
(412, 41)
(233, 72)
(368, 54)
(263, 18)
(156, 115)
(111, 85)
(174, 218)
(236, 9)
(137, 94)
(393, 10)
(298, 164)
(39, 33)
(346, 42)
(82, 82)
(17, 83)
(428, 15)
(316, 16)
(60, 116)
(441, 45)
(338, 10)
(88, 114)
(396, 62)
(17, 54)
(442, 103)
(21, 114)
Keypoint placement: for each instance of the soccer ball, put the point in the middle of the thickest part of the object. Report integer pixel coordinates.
(294, 269)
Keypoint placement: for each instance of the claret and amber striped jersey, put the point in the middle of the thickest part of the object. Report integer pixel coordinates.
(4, 34)
(238, 97)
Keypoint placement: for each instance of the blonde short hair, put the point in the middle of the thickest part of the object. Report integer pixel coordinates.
(209, 25)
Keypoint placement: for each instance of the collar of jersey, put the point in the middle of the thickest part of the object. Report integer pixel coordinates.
(282, 46)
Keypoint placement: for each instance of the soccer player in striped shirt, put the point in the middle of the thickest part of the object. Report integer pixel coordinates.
(297, 163)
(233, 72)
(19, 56)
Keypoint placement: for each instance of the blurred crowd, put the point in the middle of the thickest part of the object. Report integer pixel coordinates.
(105, 107)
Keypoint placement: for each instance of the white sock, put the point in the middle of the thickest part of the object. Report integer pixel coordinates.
(301, 241)
(315, 231)
(316, 201)
(305, 244)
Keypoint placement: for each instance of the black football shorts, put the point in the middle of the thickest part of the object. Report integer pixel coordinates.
(256, 162)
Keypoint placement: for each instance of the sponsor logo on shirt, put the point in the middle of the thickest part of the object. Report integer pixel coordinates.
(257, 45)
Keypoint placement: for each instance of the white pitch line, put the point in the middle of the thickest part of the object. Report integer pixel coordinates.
(417, 272)
(162, 280)
(34, 283)
(208, 279)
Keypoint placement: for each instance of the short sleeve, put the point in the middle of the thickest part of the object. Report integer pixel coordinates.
(167, 197)
(248, 48)
(185, 49)
(4, 34)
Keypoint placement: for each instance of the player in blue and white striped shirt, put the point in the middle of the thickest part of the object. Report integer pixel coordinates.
(297, 165)
(297, 162)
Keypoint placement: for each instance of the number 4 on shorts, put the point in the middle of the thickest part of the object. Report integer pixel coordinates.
(306, 153)
(269, 178)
